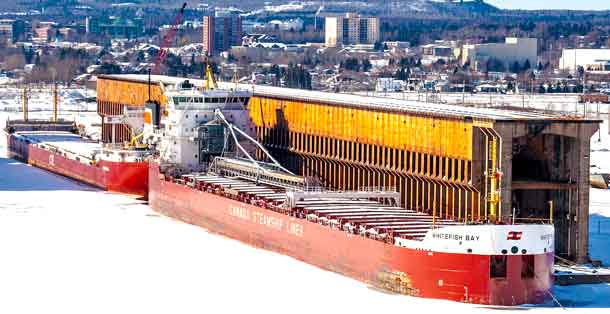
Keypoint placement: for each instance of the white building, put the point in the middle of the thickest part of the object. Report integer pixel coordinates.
(398, 46)
(388, 84)
(512, 50)
(589, 59)
(351, 29)
(289, 25)
(432, 53)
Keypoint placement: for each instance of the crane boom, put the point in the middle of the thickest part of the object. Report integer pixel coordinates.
(167, 40)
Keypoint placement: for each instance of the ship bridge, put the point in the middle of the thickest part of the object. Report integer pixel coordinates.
(456, 163)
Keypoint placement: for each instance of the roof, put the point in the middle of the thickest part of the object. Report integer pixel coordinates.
(372, 102)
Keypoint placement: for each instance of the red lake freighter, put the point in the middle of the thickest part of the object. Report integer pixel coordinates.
(204, 172)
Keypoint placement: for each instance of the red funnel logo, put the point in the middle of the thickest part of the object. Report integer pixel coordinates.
(514, 235)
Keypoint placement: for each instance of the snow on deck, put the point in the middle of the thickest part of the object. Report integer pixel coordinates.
(64, 140)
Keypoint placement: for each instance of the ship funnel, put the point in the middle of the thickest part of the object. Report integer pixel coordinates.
(152, 111)
(152, 115)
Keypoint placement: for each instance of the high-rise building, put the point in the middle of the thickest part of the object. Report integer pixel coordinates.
(221, 30)
(351, 29)
(10, 31)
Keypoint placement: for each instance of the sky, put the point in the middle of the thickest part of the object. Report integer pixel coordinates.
(552, 4)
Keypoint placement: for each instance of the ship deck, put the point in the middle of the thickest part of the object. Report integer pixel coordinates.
(365, 216)
(74, 146)
(64, 141)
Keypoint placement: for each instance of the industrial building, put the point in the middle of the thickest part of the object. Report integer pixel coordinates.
(461, 163)
(519, 50)
(351, 29)
(588, 59)
(221, 30)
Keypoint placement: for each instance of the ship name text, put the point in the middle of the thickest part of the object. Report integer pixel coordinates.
(455, 237)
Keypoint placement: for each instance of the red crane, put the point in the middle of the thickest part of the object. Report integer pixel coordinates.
(167, 40)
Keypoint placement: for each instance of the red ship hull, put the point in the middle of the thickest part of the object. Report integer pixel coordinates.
(456, 277)
(123, 177)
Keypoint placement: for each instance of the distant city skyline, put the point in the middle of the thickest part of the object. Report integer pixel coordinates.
(554, 4)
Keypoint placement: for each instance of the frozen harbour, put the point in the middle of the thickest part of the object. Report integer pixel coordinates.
(69, 248)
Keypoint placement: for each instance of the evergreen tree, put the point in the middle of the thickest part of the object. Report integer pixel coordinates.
(28, 55)
(366, 65)
(399, 74)
(581, 71)
(515, 68)
(466, 65)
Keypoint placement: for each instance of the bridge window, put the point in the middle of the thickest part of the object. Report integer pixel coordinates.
(527, 266)
(497, 266)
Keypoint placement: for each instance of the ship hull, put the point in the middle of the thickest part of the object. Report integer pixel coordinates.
(122, 177)
(456, 277)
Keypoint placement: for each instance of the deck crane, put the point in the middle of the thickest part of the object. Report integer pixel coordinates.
(167, 40)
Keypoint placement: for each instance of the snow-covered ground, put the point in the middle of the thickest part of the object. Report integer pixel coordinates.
(72, 105)
(69, 248)
(41, 98)
(599, 210)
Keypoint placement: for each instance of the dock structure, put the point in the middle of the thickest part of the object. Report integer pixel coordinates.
(455, 163)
